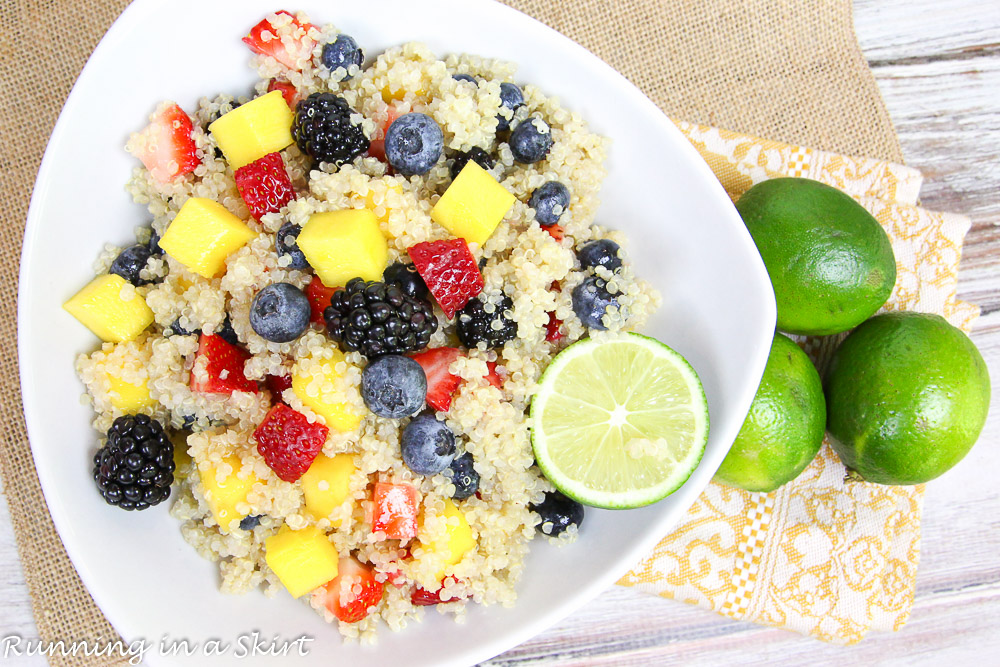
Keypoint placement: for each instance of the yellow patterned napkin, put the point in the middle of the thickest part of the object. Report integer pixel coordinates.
(821, 556)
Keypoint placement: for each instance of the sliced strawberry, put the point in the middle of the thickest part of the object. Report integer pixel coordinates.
(376, 148)
(395, 510)
(223, 364)
(288, 441)
(353, 593)
(277, 384)
(553, 329)
(288, 91)
(492, 376)
(425, 598)
(319, 299)
(441, 384)
(263, 39)
(165, 146)
(264, 185)
(450, 271)
(556, 232)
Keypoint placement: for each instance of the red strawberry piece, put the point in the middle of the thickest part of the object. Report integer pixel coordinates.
(288, 441)
(395, 511)
(441, 384)
(263, 39)
(224, 365)
(264, 185)
(376, 148)
(425, 598)
(450, 271)
(165, 145)
(353, 593)
(277, 384)
(288, 91)
(319, 299)
(553, 330)
(556, 232)
(492, 376)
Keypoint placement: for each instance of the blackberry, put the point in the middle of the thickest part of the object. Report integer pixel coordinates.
(477, 323)
(323, 129)
(476, 154)
(376, 318)
(408, 280)
(135, 467)
(130, 262)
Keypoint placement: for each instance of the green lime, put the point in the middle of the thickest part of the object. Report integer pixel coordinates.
(784, 428)
(830, 262)
(619, 422)
(906, 398)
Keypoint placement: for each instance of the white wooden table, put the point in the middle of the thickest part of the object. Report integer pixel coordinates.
(938, 65)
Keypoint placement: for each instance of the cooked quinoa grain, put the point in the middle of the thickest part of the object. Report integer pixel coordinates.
(168, 372)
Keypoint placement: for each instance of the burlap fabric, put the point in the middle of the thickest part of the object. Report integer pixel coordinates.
(773, 68)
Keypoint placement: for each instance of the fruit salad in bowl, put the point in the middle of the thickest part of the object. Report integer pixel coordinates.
(322, 349)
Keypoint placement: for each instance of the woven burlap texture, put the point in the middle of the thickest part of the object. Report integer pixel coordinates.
(772, 68)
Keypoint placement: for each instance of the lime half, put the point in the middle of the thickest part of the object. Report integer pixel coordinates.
(619, 422)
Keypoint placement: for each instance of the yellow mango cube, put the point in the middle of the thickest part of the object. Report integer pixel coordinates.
(130, 398)
(303, 559)
(473, 205)
(252, 130)
(203, 235)
(456, 541)
(111, 308)
(314, 382)
(181, 456)
(224, 496)
(341, 245)
(371, 205)
(326, 485)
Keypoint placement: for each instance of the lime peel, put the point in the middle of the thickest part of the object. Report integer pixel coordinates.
(619, 422)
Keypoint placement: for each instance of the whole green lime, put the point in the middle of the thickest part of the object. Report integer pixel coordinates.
(906, 398)
(785, 425)
(830, 262)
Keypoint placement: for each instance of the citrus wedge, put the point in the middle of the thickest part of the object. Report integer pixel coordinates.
(619, 422)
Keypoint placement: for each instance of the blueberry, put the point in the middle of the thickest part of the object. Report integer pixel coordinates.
(511, 98)
(342, 52)
(465, 77)
(227, 333)
(428, 445)
(154, 243)
(603, 252)
(285, 244)
(177, 330)
(393, 386)
(408, 280)
(250, 522)
(130, 262)
(558, 513)
(531, 140)
(591, 300)
(463, 476)
(413, 144)
(476, 154)
(280, 312)
(550, 201)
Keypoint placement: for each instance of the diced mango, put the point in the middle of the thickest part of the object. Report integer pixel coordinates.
(456, 541)
(303, 559)
(181, 456)
(391, 93)
(130, 398)
(203, 235)
(326, 485)
(313, 383)
(341, 245)
(473, 205)
(101, 307)
(222, 497)
(252, 130)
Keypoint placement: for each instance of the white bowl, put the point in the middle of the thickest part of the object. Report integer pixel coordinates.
(686, 238)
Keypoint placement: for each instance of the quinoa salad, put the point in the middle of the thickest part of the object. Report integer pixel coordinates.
(321, 348)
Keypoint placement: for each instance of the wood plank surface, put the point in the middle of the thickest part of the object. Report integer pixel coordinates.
(937, 63)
